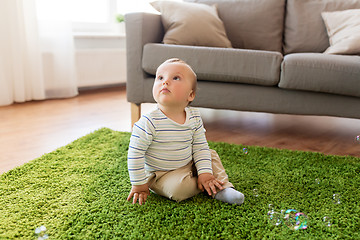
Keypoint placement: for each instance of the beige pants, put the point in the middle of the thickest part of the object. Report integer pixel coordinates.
(181, 183)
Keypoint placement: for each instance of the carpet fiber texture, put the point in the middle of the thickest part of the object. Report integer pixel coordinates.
(79, 192)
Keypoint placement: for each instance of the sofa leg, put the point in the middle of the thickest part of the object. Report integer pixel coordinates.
(135, 113)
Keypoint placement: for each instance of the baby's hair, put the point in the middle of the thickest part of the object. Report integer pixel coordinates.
(178, 60)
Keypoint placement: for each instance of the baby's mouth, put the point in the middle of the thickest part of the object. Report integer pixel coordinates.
(165, 90)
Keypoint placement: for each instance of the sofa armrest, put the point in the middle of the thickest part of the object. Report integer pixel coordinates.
(141, 28)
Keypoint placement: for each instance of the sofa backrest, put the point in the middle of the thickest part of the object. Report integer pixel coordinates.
(286, 26)
(304, 28)
(252, 24)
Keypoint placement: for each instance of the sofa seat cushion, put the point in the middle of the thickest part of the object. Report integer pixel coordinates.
(218, 64)
(318, 72)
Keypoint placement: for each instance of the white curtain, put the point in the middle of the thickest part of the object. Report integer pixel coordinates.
(36, 55)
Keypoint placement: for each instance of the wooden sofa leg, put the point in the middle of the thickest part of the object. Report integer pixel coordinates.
(135, 113)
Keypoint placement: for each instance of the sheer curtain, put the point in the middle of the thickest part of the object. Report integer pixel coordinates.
(36, 55)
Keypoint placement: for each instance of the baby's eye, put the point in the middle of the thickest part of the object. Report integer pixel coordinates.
(177, 78)
(160, 78)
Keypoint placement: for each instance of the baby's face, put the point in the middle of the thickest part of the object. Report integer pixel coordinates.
(173, 85)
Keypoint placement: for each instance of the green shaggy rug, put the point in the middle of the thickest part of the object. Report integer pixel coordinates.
(79, 192)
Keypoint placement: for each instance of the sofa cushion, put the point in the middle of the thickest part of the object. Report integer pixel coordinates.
(343, 28)
(252, 24)
(304, 28)
(218, 64)
(318, 72)
(181, 27)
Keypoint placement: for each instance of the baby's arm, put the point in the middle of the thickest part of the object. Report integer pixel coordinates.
(140, 140)
(208, 182)
(202, 159)
(139, 192)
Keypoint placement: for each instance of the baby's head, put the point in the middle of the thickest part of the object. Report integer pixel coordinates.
(191, 71)
(175, 82)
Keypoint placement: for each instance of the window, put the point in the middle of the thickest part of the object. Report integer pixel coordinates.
(90, 15)
(134, 6)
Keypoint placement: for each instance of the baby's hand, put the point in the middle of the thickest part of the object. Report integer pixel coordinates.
(140, 192)
(209, 182)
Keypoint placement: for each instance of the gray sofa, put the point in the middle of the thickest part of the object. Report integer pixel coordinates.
(276, 64)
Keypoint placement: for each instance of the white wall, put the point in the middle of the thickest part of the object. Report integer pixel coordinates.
(100, 60)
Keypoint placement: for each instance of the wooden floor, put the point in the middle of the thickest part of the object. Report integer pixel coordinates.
(28, 130)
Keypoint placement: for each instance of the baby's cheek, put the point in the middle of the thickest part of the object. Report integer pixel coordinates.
(155, 88)
(182, 94)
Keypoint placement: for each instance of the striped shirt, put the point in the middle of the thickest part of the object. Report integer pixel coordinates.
(158, 143)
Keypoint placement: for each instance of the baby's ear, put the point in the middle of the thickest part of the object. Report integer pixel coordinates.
(191, 96)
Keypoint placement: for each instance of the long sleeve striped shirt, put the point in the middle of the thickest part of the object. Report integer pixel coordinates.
(158, 143)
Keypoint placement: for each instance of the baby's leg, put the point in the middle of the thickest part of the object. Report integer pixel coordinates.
(229, 194)
(219, 170)
(178, 185)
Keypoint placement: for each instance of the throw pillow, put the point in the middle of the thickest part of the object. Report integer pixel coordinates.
(343, 28)
(192, 24)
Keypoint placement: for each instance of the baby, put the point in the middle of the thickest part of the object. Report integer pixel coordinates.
(168, 151)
